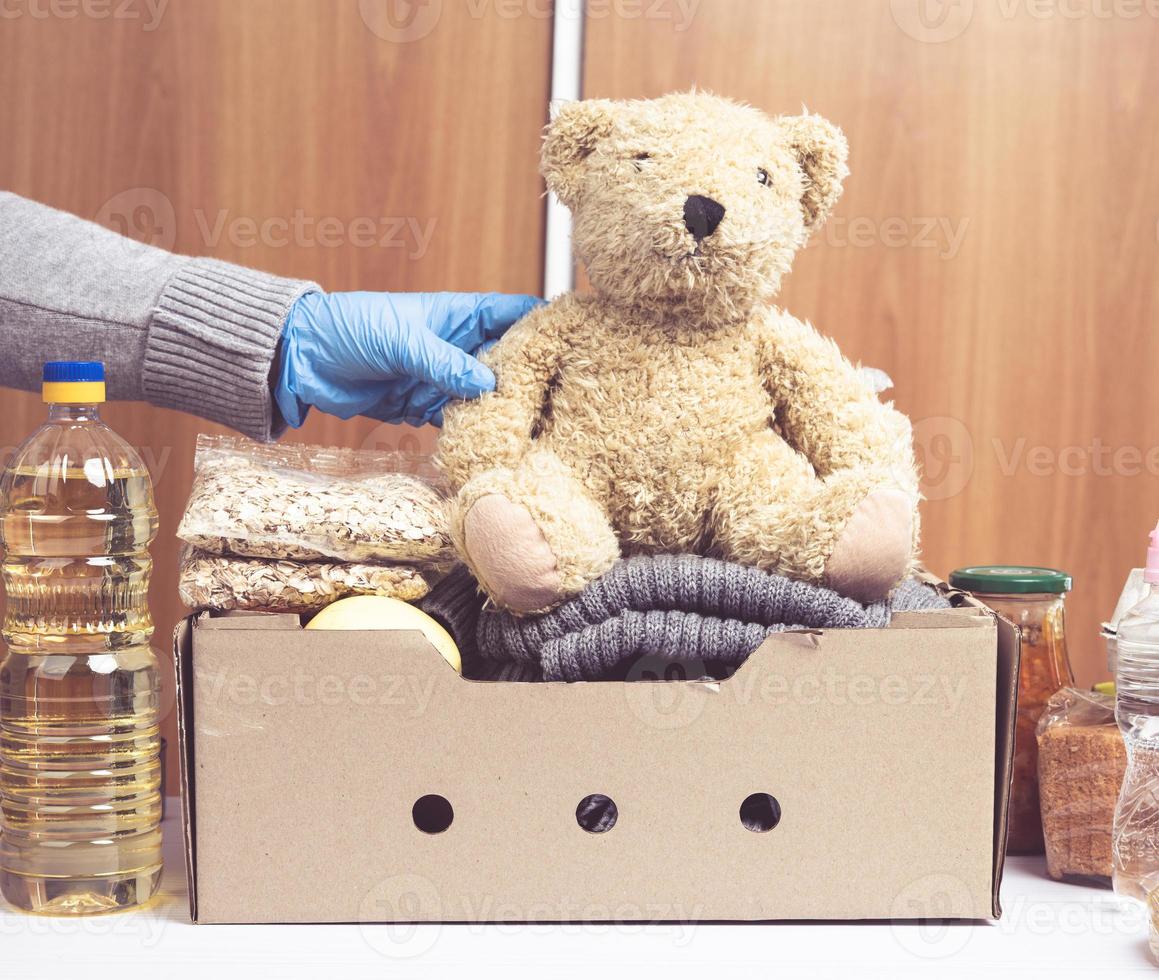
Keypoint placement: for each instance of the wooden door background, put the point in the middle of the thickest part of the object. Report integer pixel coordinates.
(993, 251)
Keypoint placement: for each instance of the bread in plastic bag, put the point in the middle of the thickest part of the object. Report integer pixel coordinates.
(1081, 763)
(224, 582)
(311, 502)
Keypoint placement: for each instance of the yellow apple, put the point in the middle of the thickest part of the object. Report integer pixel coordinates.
(379, 612)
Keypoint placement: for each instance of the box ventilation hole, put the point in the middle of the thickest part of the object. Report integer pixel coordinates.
(597, 814)
(432, 814)
(760, 813)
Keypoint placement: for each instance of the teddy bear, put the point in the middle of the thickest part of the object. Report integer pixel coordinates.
(675, 409)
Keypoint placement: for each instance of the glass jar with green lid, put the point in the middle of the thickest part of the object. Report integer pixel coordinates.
(1032, 598)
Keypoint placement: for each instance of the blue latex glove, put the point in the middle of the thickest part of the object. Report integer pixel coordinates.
(395, 357)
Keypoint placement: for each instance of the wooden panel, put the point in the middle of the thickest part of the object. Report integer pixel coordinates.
(227, 115)
(994, 251)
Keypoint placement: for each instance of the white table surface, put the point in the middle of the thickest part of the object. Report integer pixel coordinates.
(1047, 929)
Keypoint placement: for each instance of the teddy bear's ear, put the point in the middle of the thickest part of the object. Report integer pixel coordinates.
(822, 153)
(569, 138)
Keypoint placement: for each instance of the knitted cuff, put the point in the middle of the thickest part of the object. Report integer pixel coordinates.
(212, 341)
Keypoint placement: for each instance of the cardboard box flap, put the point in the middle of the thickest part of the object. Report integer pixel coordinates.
(933, 619)
(1009, 658)
(243, 620)
(182, 654)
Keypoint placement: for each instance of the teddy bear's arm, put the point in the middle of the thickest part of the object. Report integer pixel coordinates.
(826, 409)
(496, 430)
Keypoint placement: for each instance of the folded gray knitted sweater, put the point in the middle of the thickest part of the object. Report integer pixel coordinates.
(681, 608)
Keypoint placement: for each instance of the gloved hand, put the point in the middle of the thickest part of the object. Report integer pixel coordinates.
(395, 357)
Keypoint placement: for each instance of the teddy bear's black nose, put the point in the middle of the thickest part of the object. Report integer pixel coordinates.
(701, 216)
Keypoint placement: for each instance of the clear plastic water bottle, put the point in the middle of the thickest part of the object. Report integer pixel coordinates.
(1135, 838)
(80, 767)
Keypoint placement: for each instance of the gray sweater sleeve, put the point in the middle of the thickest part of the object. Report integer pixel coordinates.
(193, 334)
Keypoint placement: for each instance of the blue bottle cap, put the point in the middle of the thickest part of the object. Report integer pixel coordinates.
(67, 371)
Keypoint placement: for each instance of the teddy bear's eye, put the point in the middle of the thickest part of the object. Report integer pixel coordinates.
(639, 159)
(763, 177)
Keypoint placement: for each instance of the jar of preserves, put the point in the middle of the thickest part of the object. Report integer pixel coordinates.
(1032, 598)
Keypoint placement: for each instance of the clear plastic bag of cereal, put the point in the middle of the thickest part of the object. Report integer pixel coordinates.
(1081, 762)
(308, 503)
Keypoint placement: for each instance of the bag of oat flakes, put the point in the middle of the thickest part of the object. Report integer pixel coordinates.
(226, 582)
(311, 503)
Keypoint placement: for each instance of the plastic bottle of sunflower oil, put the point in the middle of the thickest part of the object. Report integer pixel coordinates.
(80, 767)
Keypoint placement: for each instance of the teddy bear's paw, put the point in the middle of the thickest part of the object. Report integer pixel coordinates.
(874, 550)
(510, 555)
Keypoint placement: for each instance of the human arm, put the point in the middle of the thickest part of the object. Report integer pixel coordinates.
(194, 334)
(228, 343)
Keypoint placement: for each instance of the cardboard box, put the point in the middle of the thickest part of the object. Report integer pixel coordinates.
(304, 752)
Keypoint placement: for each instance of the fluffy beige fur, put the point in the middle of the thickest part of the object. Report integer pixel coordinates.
(677, 410)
